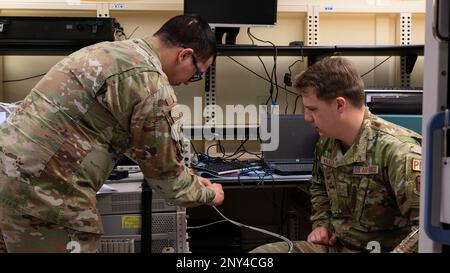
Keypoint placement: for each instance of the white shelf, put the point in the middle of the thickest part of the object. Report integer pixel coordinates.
(178, 6)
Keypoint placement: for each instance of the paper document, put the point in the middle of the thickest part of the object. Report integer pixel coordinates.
(106, 189)
(2, 117)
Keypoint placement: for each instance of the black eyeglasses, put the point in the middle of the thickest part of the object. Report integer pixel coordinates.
(198, 76)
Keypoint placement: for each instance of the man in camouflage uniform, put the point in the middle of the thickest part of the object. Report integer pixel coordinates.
(108, 99)
(366, 176)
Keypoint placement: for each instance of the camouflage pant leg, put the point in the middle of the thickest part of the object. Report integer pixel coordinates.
(299, 247)
(2, 243)
(25, 233)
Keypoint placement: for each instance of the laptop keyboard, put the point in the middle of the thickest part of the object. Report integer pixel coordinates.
(292, 168)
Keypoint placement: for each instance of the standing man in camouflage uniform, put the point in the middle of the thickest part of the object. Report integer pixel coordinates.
(366, 176)
(92, 107)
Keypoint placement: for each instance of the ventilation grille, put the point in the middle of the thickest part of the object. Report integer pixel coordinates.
(117, 246)
(164, 223)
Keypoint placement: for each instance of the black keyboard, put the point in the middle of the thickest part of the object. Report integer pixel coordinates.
(221, 168)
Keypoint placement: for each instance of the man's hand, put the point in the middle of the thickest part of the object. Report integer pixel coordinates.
(217, 188)
(204, 181)
(323, 236)
(218, 199)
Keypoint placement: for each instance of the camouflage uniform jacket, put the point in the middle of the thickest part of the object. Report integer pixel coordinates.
(60, 145)
(370, 193)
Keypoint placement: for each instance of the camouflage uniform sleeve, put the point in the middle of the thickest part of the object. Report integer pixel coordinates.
(320, 201)
(404, 169)
(152, 143)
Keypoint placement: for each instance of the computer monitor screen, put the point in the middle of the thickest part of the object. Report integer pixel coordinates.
(234, 13)
(297, 140)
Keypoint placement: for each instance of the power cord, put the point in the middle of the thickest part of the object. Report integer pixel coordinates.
(259, 76)
(24, 79)
(289, 242)
(206, 225)
(375, 67)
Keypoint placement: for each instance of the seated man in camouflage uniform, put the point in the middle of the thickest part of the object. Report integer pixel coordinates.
(111, 98)
(366, 175)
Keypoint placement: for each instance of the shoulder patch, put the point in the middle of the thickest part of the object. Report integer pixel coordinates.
(416, 165)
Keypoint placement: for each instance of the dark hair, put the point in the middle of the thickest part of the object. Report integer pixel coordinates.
(332, 78)
(191, 31)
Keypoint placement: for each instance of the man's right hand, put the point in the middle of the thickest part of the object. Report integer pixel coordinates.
(218, 199)
(323, 236)
(217, 188)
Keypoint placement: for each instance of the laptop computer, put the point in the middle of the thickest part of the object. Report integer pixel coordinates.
(295, 152)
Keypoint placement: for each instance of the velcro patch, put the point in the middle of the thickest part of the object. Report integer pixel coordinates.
(416, 165)
(372, 169)
(417, 186)
(327, 162)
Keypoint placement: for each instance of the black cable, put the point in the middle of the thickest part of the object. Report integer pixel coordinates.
(274, 69)
(238, 148)
(265, 69)
(256, 74)
(131, 35)
(263, 64)
(289, 68)
(375, 67)
(275, 73)
(248, 152)
(193, 147)
(221, 148)
(24, 79)
(207, 150)
(287, 101)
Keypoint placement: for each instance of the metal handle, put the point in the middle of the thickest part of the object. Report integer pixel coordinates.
(436, 31)
(436, 233)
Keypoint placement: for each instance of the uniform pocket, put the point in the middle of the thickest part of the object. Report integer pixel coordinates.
(174, 118)
(361, 199)
(376, 207)
(330, 183)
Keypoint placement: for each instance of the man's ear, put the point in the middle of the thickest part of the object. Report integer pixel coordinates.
(341, 104)
(184, 54)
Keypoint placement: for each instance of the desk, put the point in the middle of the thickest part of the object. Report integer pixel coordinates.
(283, 181)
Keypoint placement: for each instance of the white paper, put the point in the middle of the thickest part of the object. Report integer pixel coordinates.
(106, 189)
(2, 117)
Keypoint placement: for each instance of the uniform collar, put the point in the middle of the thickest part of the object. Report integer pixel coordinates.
(149, 46)
(358, 151)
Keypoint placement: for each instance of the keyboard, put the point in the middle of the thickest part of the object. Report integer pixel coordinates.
(221, 168)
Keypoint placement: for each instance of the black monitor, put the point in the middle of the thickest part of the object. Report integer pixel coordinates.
(229, 15)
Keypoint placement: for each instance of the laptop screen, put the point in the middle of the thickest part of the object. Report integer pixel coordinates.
(297, 140)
